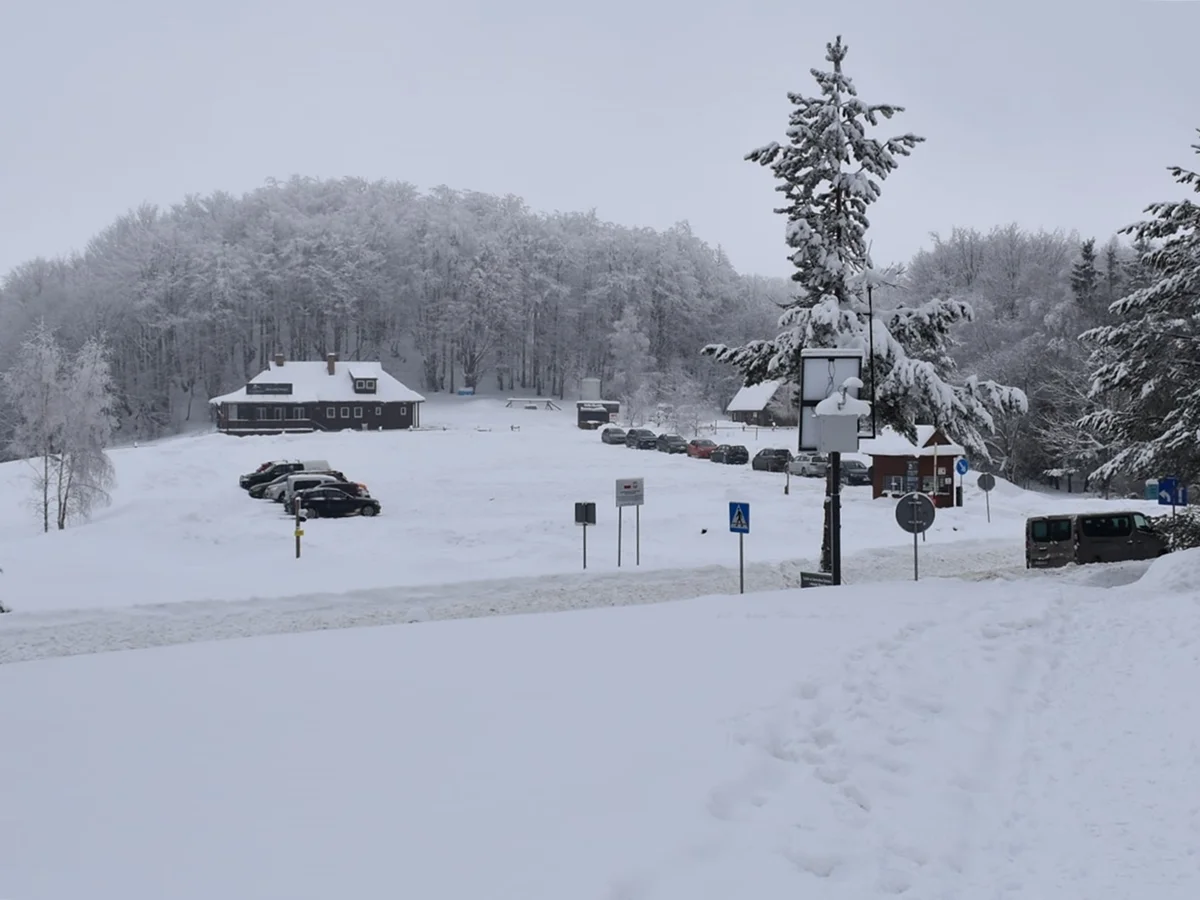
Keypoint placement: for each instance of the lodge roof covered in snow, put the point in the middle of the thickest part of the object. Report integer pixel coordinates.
(753, 397)
(930, 442)
(314, 382)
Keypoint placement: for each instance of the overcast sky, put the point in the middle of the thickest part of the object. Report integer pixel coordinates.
(641, 110)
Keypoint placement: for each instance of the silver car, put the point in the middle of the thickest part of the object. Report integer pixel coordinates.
(809, 465)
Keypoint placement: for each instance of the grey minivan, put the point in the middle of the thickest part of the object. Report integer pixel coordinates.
(1052, 541)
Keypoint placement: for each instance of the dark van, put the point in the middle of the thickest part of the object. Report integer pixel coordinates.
(1052, 541)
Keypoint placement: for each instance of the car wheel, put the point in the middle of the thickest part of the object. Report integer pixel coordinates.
(311, 513)
(369, 511)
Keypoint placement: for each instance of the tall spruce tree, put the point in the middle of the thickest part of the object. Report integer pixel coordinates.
(1152, 350)
(1085, 280)
(829, 173)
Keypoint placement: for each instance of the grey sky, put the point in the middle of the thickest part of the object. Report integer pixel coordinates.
(643, 110)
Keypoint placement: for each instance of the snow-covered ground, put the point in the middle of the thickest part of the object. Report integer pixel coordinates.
(477, 501)
(948, 739)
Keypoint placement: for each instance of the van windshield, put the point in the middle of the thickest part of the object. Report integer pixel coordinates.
(1048, 531)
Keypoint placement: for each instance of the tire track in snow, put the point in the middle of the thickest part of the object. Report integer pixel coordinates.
(32, 636)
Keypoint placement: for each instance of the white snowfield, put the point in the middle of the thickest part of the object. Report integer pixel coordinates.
(967, 740)
(989, 732)
(476, 518)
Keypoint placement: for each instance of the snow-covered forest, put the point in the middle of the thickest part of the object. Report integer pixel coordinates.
(453, 289)
(460, 289)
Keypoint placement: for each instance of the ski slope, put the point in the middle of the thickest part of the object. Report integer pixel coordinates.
(978, 739)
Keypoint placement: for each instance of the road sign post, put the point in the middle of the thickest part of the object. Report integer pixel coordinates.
(585, 515)
(915, 513)
(962, 467)
(630, 492)
(739, 524)
(987, 481)
(1172, 492)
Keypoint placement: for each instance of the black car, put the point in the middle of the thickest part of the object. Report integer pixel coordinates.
(327, 502)
(771, 459)
(350, 487)
(612, 435)
(854, 472)
(731, 455)
(671, 443)
(641, 439)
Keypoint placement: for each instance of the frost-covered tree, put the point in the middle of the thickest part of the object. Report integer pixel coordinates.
(33, 388)
(631, 366)
(63, 420)
(829, 173)
(83, 472)
(1152, 350)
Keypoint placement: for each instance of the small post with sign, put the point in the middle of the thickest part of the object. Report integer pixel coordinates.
(739, 524)
(630, 492)
(987, 481)
(298, 530)
(962, 467)
(915, 512)
(585, 515)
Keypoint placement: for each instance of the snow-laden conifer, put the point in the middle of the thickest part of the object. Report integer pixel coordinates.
(829, 173)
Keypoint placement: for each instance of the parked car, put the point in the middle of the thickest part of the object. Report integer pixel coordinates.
(274, 490)
(269, 471)
(855, 472)
(641, 439)
(331, 502)
(351, 488)
(1052, 541)
(809, 465)
(612, 435)
(730, 455)
(701, 448)
(302, 481)
(671, 443)
(771, 459)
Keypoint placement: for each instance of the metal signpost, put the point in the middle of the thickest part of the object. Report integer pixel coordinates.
(739, 524)
(298, 530)
(987, 481)
(915, 513)
(630, 492)
(962, 467)
(585, 515)
(831, 414)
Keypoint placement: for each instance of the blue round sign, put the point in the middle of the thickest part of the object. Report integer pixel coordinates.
(962, 466)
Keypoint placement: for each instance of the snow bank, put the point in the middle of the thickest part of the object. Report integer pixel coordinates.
(1175, 573)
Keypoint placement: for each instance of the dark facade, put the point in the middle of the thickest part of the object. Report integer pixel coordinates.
(261, 416)
(594, 413)
(890, 474)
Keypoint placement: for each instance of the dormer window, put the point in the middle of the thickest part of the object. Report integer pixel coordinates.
(364, 385)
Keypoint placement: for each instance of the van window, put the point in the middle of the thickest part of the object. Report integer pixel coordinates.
(1141, 523)
(1106, 526)
(1047, 531)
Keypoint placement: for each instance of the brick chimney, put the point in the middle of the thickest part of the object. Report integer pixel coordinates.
(279, 360)
(330, 362)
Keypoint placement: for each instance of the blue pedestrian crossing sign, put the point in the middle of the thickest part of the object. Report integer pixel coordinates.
(739, 518)
(962, 466)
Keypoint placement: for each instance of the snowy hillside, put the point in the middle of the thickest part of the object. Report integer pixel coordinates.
(936, 740)
(477, 501)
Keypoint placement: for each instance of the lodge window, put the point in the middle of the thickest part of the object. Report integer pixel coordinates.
(260, 412)
(379, 410)
(364, 385)
(331, 413)
(358, 412)
(298, 412)
(345, 412)
(893, 483)
(234, 413)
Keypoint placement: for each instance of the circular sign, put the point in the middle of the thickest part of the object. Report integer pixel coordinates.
(987, 481)
(915, 513)
(962, 467)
